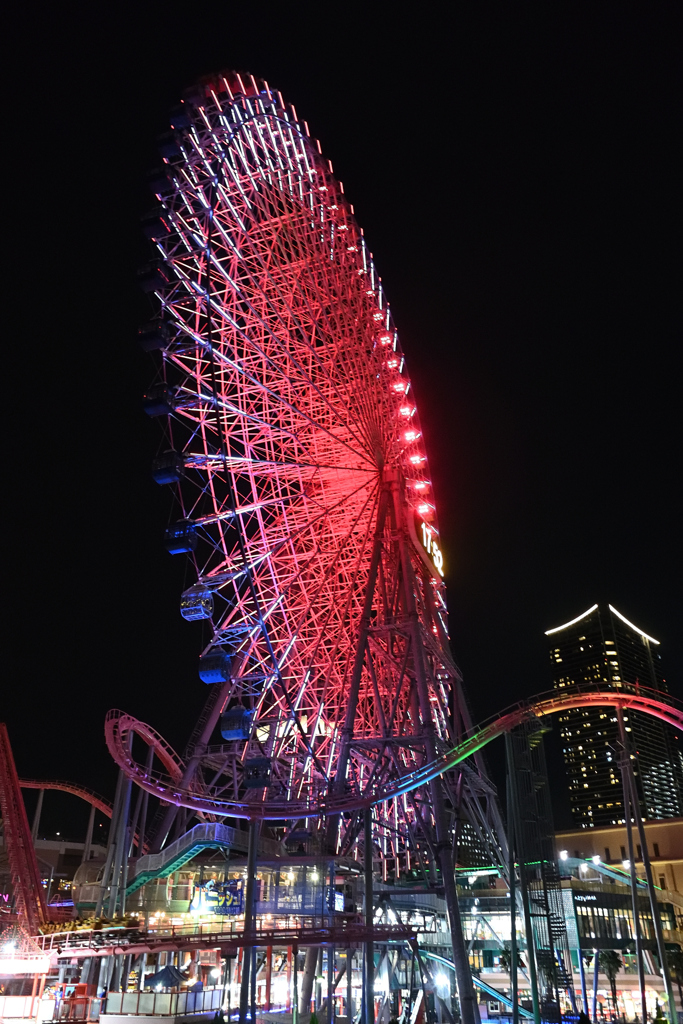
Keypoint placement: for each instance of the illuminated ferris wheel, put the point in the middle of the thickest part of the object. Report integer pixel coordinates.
(292, 442)
(293, 448)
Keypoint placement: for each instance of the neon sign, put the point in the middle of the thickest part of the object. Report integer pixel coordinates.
(218, 898)
(432, 548)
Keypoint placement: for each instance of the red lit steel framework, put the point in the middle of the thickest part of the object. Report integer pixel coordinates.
(303, 492)
(28, 892)
(303, 498)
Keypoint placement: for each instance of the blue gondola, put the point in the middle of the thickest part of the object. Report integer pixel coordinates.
(160, 184)
(196, 603)
(181, 538)
(154, 225)
(168, 146)
(236, 723)
(169, 468)
(257, 773)
(155, 335)
(159, 400)
(179, 118)
(153, 276)
(214, 667)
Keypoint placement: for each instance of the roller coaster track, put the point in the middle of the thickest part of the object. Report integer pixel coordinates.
(89, 795)
(118, 726)
(83, 792)
(488, 989)
(28, 891)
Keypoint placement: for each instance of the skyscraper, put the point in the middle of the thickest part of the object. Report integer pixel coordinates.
(602, 649)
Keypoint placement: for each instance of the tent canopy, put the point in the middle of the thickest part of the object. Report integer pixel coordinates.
(167, 977)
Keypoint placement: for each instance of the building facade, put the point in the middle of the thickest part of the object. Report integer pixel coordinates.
(664, 843)
(601, 649)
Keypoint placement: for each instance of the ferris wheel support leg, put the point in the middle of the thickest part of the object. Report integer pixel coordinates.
(369, 986)
(469, 1007)
(654, 904)
(249, 916)
(354, 688)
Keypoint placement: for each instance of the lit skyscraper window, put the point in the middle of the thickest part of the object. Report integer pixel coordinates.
(602, 649)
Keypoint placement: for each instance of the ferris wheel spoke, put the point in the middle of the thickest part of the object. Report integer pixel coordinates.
(290, 412)
(298, 282)
(257, 415)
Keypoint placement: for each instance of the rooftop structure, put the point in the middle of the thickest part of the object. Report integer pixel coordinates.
(602, 650)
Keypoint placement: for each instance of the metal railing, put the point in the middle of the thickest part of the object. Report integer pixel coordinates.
(207, 834)
(164, 1004)
(78, 1008)
(19, 1008)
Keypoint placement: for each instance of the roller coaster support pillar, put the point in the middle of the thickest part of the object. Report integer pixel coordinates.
(582, 975)
(654, 905)
(369, 965)
(332, 983)
(145, 804)
(252, 982)
(295, 985)
(269, 976)
(628, 815)
(249, 917)
(87, 846)
(331, 968)
(111, 848)
(308, 980)
(518, 844)
(513, 909)
(36, 817)
(596, 969)
(134, 825)
(117, 893)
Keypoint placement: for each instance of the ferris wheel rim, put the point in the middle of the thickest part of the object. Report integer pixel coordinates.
(289, 380)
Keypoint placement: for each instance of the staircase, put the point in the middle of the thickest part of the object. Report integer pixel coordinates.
(211, 835)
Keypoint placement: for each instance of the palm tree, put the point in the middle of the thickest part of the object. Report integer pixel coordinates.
(506, 958)
(610, 965)
(674, 958)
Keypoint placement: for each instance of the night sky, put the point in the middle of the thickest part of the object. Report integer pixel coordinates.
(516, 170)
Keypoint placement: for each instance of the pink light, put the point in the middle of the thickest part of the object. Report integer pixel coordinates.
(392, 363)
(421, 485)
(407, 410)
(411, 435)
(417, 459)
(401, 386)
(424, 510)
(386, 339)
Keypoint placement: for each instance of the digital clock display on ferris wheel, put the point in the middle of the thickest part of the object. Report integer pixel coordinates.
(431, 547)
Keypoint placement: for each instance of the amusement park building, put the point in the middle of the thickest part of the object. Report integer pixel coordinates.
(664, 841)
(601, 649)
(294, 892)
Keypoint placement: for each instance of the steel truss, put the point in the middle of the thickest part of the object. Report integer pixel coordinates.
(304, 503)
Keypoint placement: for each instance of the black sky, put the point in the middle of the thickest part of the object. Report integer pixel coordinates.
(516, 170)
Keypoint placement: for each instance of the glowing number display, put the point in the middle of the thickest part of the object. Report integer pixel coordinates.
(432, 548)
